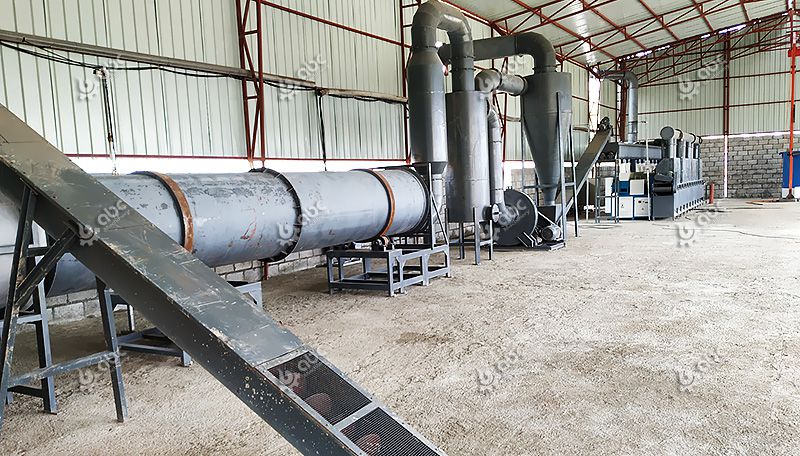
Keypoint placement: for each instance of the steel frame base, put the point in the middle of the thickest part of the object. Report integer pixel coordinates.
(404, 267)
(475, 241)
(30, 267)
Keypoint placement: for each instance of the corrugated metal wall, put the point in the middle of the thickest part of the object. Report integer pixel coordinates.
(751, 83)
(337, 58)
(691, 102)
(155, 113)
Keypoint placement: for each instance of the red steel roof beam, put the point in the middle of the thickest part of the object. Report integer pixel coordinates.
(773, 17)
(618, 27)
(545, 19)
(722, 7)
(660, 19)
(699, 9)
(606, 2)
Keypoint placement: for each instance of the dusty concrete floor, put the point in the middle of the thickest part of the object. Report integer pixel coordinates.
(623, 343)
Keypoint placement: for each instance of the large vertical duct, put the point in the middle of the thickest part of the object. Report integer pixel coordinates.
(632, 124)
(468, 196)
(426, 84)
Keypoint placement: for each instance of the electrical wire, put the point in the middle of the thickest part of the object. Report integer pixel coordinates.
(59, 58)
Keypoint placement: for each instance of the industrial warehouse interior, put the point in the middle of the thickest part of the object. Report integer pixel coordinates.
(399, 227)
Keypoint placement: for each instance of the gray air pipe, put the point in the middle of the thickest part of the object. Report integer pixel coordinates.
(250, 216)
(426, 84)
(632, 133)
(506, 216)
(489, 81)
(529, 43)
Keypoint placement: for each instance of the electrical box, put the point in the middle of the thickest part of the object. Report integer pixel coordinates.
(625, 207)
(641, 207)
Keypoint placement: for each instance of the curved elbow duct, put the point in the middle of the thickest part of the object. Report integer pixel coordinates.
(530, 43)
(491, 80)
(632, 134)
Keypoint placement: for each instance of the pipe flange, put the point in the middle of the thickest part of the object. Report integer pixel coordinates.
(414, 170)
(390, 195)
(179, 198)
(298, 225)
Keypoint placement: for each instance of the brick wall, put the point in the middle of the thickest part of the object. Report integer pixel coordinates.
(754, 165)
(76, 306)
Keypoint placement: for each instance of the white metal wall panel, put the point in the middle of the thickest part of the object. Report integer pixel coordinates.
(747, 89)
(160, 113)
(155, 113)
(759, 100)
(346, 59)
(663, 105)
(691, 102)
(334, 57)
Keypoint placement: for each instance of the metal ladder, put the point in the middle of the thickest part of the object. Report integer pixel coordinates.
(313, 405)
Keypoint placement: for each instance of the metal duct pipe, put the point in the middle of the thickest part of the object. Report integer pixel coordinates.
(506, 216)
(529, 43)
(632, 133)
(546, 101)
(232, 218)
(488, 81)
(426, 83)
(671, 136)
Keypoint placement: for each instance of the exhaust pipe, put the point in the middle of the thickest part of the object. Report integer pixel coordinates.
(506, 216)
(529, 43)
(632, 125)
(489, 81)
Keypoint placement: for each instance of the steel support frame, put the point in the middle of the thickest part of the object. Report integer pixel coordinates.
(793, 53)
(252, 88)
(30, 266)
(407, 263)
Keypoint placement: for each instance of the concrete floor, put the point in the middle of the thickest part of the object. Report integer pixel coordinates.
(623, 343)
